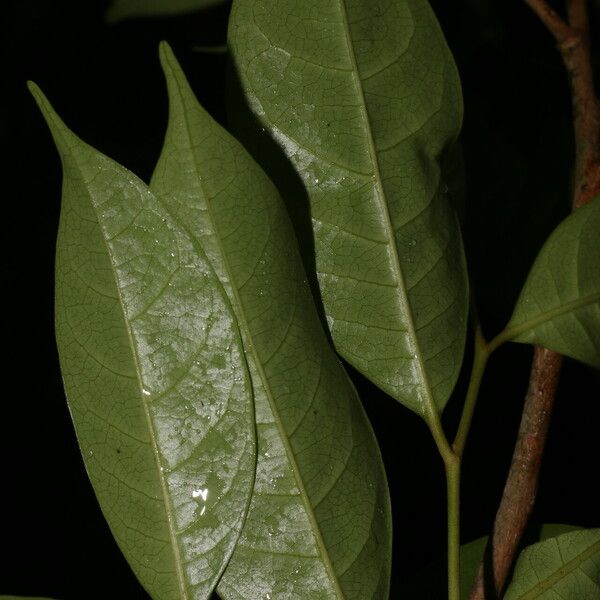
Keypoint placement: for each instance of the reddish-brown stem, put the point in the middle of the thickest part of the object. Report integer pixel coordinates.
(573, 42)
(572, 39)
(521, 485)
(557, 27)
(586, 106)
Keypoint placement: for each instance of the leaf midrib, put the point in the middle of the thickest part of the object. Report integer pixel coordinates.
(561, 572)
(61, 134)
(243, 324)
(525, 327)
(430, 410)
(181, 580)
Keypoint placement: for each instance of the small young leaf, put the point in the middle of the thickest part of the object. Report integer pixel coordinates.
(559, 306)
(319, 522)
(155, 375)
(430, 581)
(120, 10)
(363, 97)
(471, 554)
(567, 566)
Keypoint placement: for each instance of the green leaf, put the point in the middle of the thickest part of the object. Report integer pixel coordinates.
(24, 598)
(567, 566)
(559, 305)
(319, 521)
(155, 375)
(430, 581)
(363, 97)
(471, 554)
(120, 10)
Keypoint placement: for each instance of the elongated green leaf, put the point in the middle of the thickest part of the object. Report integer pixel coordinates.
(319, 522)
(567, 566)
(154, 372)
(559, 306)
(120, 10)
(363, 97)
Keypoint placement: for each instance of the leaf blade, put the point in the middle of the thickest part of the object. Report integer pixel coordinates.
(154, 373)
(370, 98)
(430, 581)
(567, 566)
(24, 598)
(559, 305)
(306, 407)
(120, 10)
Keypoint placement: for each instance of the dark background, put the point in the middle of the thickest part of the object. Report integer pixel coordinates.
(106, 83)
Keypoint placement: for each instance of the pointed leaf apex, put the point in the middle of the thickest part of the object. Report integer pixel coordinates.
(63, 137)
(169, 63)
(177, 84)
(164, 49)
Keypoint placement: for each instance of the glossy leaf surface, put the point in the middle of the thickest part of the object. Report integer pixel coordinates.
(567, 566)
(559, 306)
(319, 522)
(155, 375)
(120, 10)
(363, 97)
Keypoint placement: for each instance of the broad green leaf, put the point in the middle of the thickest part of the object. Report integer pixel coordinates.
(567, 566)
(363, 97)
(155, 375)
(559, 305)
(319, 521)
(120, 10)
